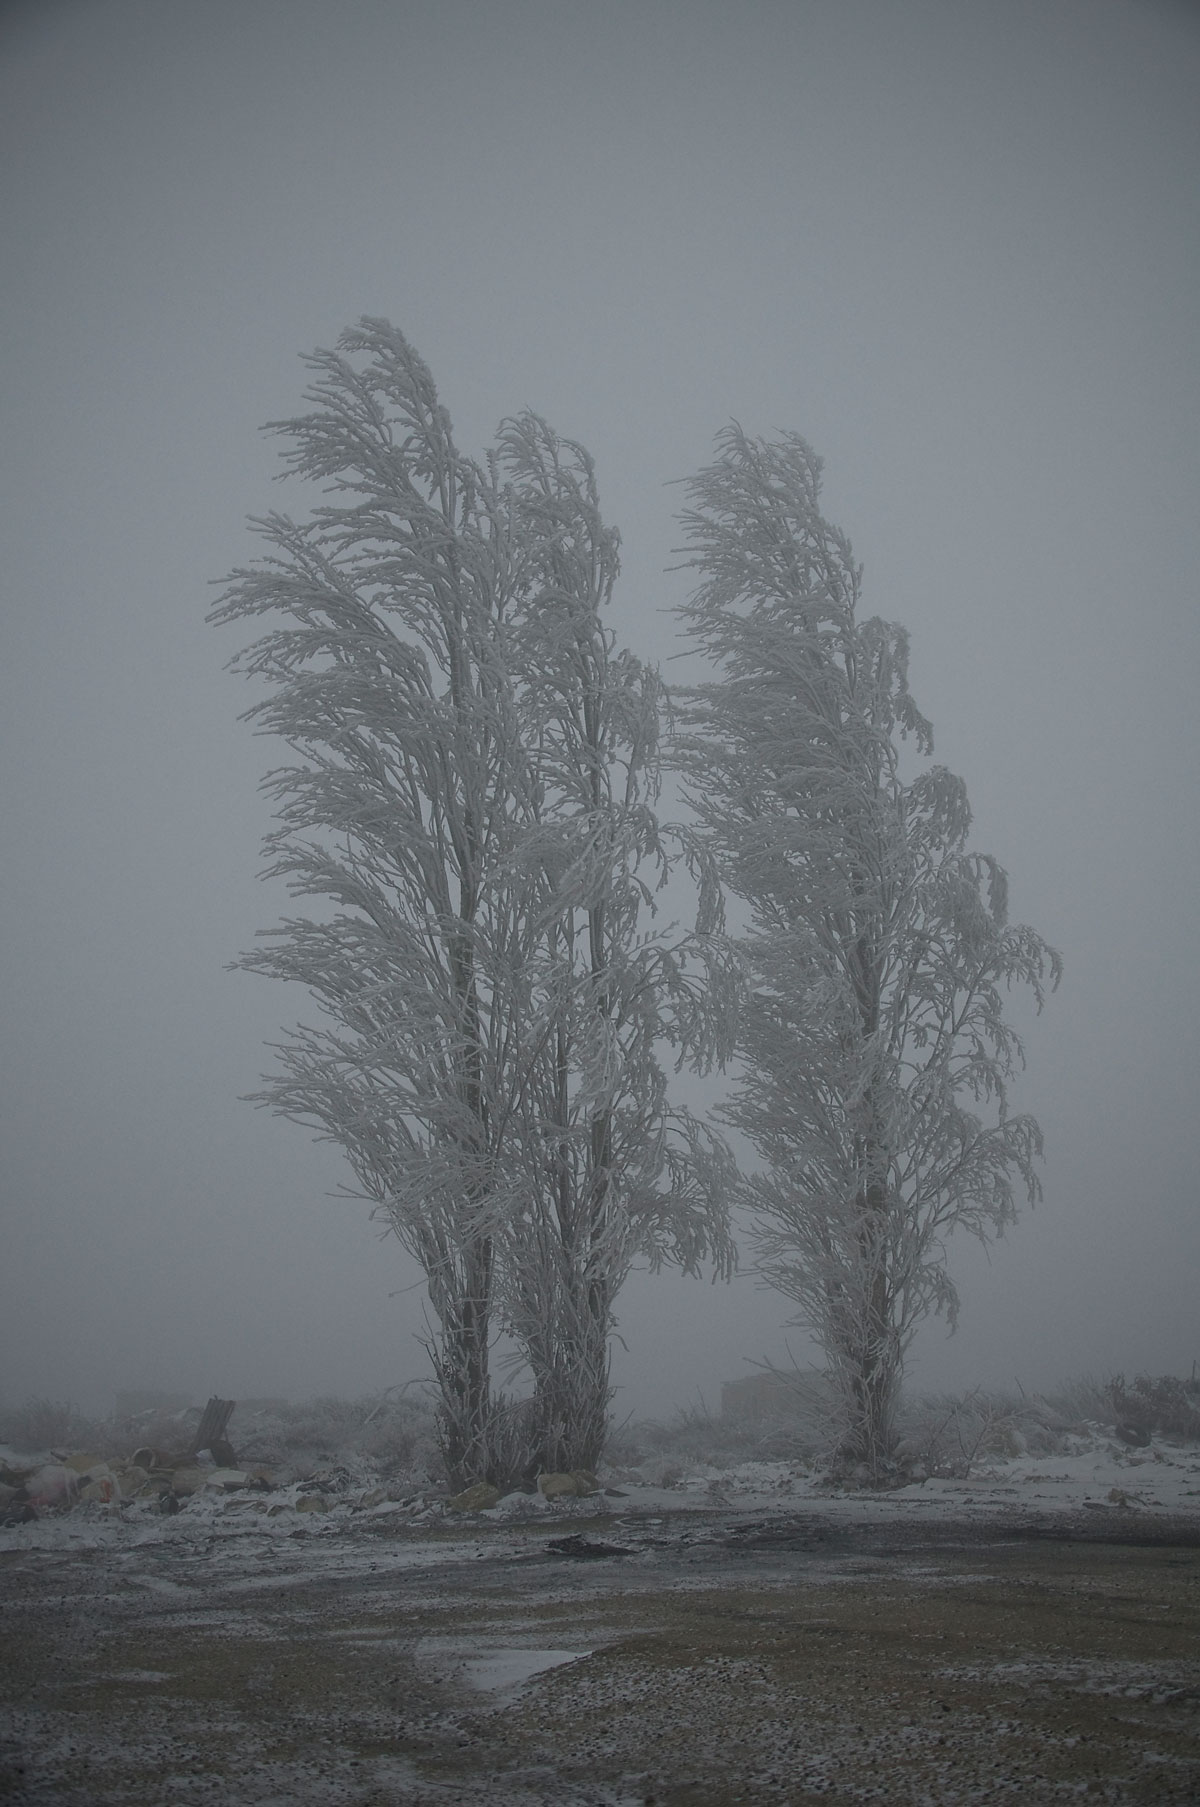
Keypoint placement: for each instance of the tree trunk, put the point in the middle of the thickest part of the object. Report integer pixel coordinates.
(463, 1376)
(873, 1365)
(572, 1395)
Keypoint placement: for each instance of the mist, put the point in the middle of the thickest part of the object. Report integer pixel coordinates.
(954, 245)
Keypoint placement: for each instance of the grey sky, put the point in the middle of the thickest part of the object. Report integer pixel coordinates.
(956, 244)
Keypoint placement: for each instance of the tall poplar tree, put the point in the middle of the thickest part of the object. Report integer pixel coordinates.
(875, 1056)
(611, 1170)
(387, 678)
(433, 657)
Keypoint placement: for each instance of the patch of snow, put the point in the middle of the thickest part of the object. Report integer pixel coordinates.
(504, 1670)
(518, 1505)
(1094, 1471)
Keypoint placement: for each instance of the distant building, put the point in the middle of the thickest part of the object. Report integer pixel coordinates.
(770, 1397)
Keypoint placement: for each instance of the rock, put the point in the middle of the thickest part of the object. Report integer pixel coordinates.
(312, 1502)
(227, 1480)
(374, 1497)
(575, 1485)
(474, 1499)
(186, 1481)
(1134, 1434)
(556, 1486)
(519, 1505)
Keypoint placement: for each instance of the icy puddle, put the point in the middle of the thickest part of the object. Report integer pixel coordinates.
(502, 1671)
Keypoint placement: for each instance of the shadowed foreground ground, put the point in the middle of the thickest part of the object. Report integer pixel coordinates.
(719, 1660)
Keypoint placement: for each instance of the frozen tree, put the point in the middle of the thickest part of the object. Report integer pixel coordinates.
(387, 678)
(609, 1171)
(432, 656)
(875, 1058)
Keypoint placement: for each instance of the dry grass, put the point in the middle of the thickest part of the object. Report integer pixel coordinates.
(394, 1433)
(46, 1424)
(1162, 1405)
(945, 1434)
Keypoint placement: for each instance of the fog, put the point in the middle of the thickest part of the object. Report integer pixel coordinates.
(954, 243)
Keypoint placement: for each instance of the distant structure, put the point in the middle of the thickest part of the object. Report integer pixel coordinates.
(769, 1397)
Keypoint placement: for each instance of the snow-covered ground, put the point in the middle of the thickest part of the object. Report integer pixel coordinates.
(747, 1632)
(1094, 1472)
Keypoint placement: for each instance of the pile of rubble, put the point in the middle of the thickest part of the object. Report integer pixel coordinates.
(192, 1463)
(30, 1490)
(82, 1477)
(164, 1477)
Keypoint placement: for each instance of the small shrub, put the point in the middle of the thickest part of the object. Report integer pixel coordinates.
(321, 1427)
(945, 1434)
(392, 1435)
(400, 1436)
(513, 1440)
(716, 1440)
(46, 1424)
(1079, 1404)
(949, 1434)
(1160, 1403)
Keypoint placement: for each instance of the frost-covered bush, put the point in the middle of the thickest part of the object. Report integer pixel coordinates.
(400, 1435)
(664, 1450)
(1161, 1403)
(1080, 1403)
(323, 1427)
(393, 1435)
(950, 1434)
(46, 1424)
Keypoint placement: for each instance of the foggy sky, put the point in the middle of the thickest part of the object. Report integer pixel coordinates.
(955, 243)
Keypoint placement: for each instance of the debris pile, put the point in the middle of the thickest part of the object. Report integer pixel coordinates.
(163, 1477)
(316, 1462)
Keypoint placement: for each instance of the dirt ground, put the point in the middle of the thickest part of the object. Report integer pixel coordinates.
(719, 1658)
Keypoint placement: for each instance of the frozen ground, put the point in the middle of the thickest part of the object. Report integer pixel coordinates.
(1028, 1634)
(1093, 1473)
